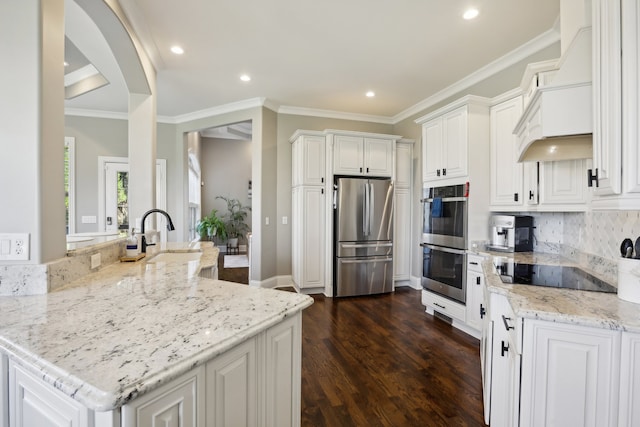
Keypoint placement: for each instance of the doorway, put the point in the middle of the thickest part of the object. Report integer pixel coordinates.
(113, 184)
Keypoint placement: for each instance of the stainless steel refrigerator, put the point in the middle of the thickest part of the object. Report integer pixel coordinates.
(363, 227)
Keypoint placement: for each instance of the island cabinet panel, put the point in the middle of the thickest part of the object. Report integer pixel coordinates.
(180, 403)
(232, 387)
(33, 402)
(4, 391)
(570, 375)
(283, 372)
(629, 414)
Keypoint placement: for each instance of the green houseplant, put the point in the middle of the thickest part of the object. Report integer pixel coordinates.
(212, 226)
(234, 219)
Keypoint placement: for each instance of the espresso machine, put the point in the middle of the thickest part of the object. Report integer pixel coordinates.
(511, 233)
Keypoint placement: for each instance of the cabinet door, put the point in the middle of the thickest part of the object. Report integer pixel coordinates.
(33, 402)
(348, 155)
(570, 375)
(180, 403)
(506, 172)
(475, 282)
(631, 94)
(312, 214)
(283, 373)
(402, 234)
(432, 150)
(378, 157)
(563, 183)
(313, 158)
(296, 234)
(630, 381)
(404, 165)
(232, 387)
(455, 144)
(607, 93)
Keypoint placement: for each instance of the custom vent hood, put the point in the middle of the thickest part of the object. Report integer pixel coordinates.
(557, 121)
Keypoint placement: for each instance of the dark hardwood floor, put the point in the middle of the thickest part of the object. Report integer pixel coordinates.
(382, 361)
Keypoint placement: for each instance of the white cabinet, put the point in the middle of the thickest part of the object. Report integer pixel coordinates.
(629, 413)
(4, 390)
(179, 403)
(486, 353)
(359, 155)
(308, 209)
(616, 156)
(402, 211)
(232, 387)
(475, 285)
(445, 145)
(308, 159)
(570, 375)
(283, 363)
(530, 186)
(33, 402)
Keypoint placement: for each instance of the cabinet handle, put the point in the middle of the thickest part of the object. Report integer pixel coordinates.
(506, 324)
(477, 280)
(515, 197)
(473, 263)
(438, 305)
(322, 180)
(482, 311)
(531, 195)
(367, 170)
(444, 171)
(592, 177)
(505, 349)
(438, 172)
(360, 170)
(322, 191)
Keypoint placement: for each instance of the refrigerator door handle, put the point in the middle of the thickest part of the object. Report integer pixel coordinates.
(365, 245)
(365, 261)
(372, 208)
(365, 211)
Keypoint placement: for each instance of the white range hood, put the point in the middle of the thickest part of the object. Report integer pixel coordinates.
(557, 123)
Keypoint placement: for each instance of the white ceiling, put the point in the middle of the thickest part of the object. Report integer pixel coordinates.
(311, 54)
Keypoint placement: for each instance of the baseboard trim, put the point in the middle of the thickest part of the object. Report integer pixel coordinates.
(273, 282)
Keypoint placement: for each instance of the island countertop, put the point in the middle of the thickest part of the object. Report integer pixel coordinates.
(596, 309)
(115, 334)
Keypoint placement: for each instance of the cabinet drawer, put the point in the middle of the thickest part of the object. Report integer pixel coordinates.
(444, 306)
(474, 263)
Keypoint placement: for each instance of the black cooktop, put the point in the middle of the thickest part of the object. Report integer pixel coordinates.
(554, 276)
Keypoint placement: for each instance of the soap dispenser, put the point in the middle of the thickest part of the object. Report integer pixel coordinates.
(132, 244)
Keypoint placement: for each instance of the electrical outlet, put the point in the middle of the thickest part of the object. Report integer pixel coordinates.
(96, 260)
(14, 247)
(285, 220)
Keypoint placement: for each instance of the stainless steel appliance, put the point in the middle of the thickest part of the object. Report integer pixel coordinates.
(444, 240)
(554, 276)
(511, 233)
(363, 226)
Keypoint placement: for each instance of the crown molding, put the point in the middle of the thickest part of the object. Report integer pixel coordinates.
(330, 114)
(100, 114)
(216, 111)
(544, 40)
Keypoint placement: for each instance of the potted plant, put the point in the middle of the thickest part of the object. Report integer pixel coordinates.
(212, 226)
(235, 220)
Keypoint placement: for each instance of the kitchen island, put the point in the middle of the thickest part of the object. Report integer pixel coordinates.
(103, 342)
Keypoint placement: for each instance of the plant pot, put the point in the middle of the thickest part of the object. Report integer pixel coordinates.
(232, 242)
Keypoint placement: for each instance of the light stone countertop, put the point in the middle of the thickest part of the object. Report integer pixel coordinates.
(115, 334)
(595, 309)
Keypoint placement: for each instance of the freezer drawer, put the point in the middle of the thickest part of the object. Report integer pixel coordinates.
(365, 249)
(363, 276)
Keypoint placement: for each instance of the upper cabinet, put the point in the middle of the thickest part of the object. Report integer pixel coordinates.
(308, 158)
(616, 157)
(361, 155)
(447, 135)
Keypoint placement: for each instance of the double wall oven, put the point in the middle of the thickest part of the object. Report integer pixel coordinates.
(444, 240)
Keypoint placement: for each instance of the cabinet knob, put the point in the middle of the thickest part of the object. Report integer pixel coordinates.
(505, 348)
(515, 197)
(483, 311)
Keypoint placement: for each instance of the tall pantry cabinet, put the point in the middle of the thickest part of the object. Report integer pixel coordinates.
(308, 199)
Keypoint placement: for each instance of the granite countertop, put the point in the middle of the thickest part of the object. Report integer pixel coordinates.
(115, 334)
(596, 309)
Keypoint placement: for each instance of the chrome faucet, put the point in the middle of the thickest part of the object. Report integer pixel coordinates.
(143, 242)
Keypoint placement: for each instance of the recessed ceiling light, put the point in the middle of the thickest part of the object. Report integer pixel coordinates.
(245, 78)
(370, 94)
(470, 14)
(177, 50)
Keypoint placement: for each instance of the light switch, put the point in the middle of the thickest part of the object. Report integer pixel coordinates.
(266, 220)
(5, 247)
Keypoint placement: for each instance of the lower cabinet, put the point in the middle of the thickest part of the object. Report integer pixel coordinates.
(629, 414)
(257, 383)
(308, 236)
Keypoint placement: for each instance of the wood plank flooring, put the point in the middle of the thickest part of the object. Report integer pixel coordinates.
(382, 361)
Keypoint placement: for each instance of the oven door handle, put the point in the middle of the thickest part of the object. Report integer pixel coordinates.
(443, 249)
(447, 199)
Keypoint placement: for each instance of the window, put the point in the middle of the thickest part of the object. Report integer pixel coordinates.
(69, 185)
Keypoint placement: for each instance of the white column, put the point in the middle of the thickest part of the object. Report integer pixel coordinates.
(32, 125)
